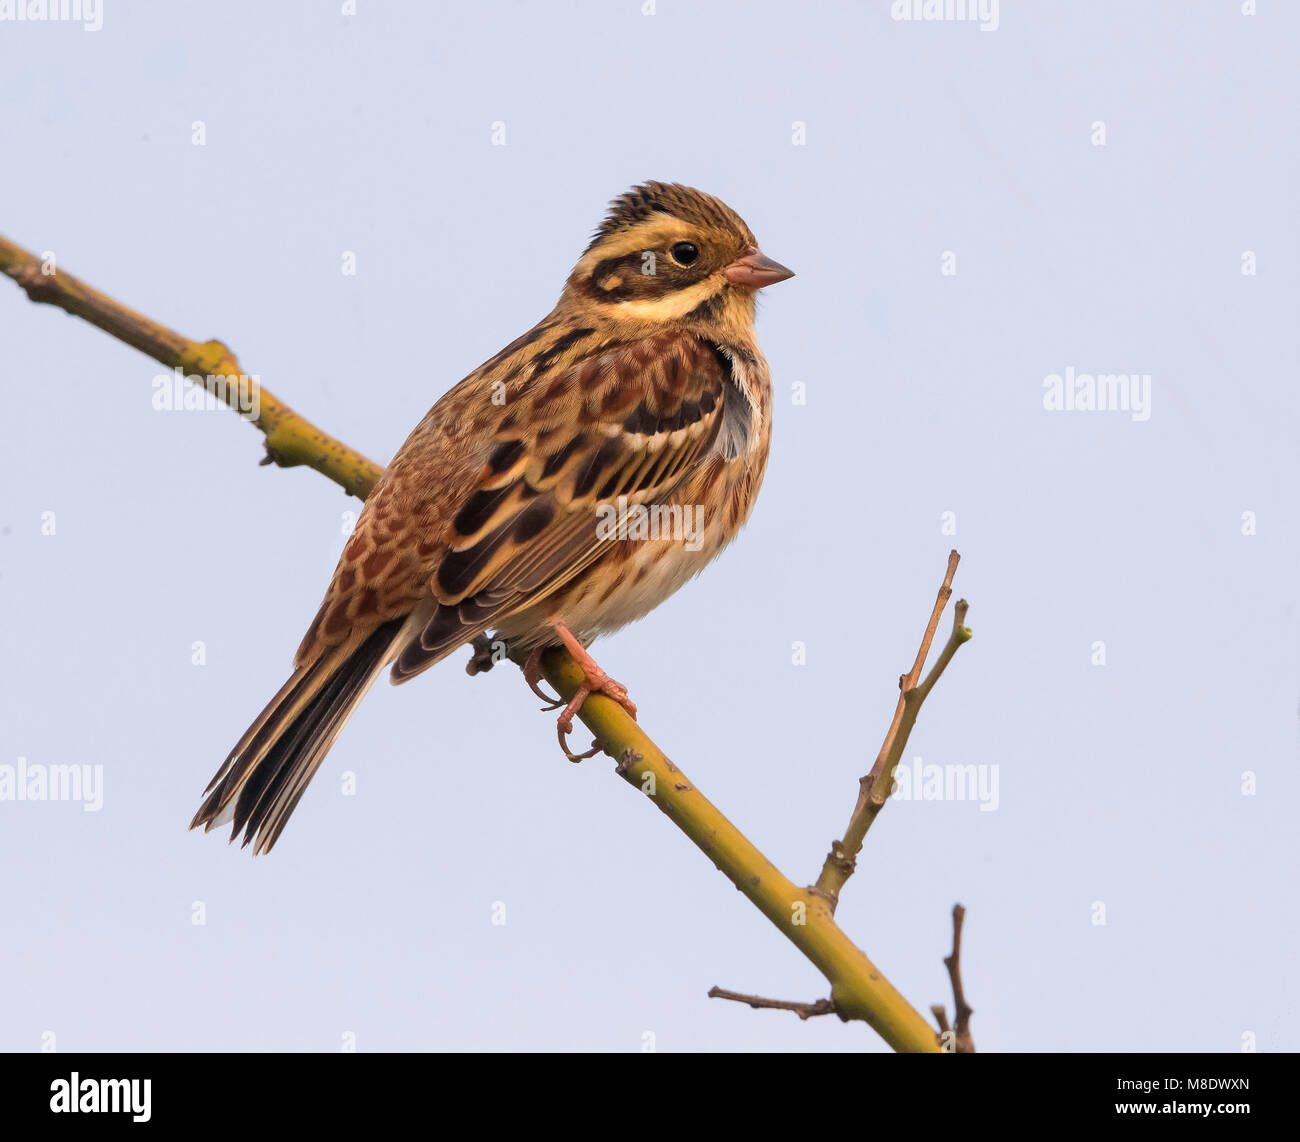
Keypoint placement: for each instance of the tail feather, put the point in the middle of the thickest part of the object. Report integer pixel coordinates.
(265, 775)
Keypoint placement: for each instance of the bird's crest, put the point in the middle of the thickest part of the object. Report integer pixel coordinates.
(671, 198)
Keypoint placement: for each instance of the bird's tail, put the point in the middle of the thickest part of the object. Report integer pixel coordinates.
(264, 777)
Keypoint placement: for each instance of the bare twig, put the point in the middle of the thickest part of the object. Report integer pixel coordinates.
(957, 1037)
(873, 789)
(803, 1010)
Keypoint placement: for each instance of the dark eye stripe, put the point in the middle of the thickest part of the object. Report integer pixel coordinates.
(633, 284)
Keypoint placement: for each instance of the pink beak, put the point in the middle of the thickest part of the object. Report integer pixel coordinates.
(756, 269)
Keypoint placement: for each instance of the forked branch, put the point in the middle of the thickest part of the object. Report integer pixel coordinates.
(873, 789)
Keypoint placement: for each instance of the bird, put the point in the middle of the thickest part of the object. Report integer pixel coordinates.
(518, 504)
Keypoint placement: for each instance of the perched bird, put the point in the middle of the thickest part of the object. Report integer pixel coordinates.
(643, 390)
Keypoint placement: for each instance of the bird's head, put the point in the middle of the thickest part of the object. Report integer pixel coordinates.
(670, 254)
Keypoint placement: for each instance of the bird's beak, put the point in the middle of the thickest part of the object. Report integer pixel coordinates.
(756, 269)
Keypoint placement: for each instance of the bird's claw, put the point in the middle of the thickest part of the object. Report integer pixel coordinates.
(533, 676)
(562, 734)
(600, 684)
(594, 681)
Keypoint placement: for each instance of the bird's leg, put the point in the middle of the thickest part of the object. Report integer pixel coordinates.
(533, 676)
(595, 681)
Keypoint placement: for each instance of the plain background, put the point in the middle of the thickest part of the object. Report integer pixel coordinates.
(1120, 785)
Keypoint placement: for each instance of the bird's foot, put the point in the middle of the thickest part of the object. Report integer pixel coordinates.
(594, 681)
(597, 682)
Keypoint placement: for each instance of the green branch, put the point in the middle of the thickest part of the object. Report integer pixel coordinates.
(290, 440)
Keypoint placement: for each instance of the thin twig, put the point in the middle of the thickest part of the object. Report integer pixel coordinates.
(960, 634)
(873, 789)
(803, 1010)
(958, 1035)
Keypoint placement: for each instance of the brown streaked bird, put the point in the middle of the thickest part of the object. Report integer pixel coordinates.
(643, 388)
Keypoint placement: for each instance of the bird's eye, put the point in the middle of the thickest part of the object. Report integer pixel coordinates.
(684, 253)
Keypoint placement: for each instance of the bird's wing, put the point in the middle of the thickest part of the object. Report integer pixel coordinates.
(629, 421)
(480, 517)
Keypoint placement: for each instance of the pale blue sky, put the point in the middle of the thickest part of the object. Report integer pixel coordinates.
(1120, 784)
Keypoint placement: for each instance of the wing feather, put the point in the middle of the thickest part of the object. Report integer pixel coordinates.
(488, 509)
(639, 428)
